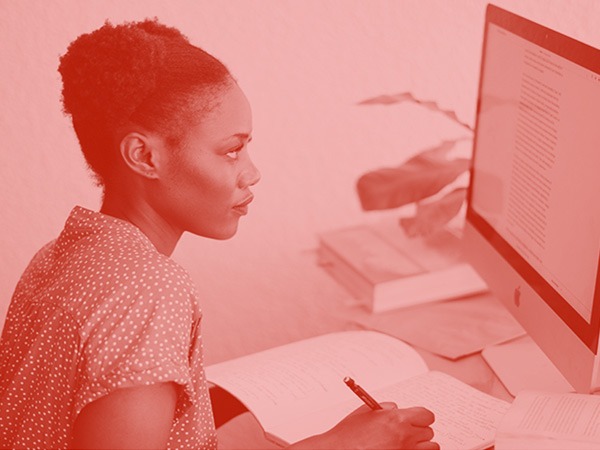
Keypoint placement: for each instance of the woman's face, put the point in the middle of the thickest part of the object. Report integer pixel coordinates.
(205, 185)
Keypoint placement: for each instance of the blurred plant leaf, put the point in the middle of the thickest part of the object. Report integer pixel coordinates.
(387, 99)
(433, 216)
(419, 177)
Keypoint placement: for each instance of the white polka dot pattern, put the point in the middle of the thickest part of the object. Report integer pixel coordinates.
(96, 310)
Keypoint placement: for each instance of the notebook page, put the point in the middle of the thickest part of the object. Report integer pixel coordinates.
(466, 418)
(296, 379)
(552, 420)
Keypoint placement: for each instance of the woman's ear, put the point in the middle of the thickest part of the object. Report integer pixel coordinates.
(139, 154)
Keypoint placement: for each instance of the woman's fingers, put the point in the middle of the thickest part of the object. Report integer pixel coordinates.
(388, 405)
(427, 446)
(424, 434)
(419, 416)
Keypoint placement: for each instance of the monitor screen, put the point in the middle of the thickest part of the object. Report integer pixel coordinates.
(536, 167)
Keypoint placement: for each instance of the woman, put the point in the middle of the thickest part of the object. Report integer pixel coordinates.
(101, 346)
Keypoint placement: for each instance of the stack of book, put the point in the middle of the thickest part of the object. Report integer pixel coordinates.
(385, 269)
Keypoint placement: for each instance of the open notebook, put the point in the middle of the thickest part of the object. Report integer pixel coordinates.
(297, 390)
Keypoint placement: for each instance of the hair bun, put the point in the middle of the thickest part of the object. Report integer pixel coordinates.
(109, 72)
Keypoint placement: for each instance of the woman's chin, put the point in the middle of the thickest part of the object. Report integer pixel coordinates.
(220, 234)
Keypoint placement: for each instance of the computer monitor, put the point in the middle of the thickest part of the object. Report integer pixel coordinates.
(533, 216)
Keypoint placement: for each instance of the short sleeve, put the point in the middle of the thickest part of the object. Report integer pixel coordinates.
(138, 336)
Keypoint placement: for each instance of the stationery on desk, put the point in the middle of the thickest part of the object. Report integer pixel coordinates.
(385, 269)
(362, 394)
(297, 390)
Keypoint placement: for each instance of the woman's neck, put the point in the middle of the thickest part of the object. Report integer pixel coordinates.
(142, 215)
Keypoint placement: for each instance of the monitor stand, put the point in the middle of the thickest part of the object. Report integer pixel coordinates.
(520, 364)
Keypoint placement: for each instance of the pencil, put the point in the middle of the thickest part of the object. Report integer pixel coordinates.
(362, 394)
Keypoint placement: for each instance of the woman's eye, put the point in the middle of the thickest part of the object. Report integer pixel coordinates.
(235, 153)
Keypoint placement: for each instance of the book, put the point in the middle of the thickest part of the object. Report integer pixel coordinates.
(385, 269)
(297, 390)
(551, 421)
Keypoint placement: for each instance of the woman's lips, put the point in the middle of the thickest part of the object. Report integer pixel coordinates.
(242, 208)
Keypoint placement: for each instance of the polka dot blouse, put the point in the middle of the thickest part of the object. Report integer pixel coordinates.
(96, 310)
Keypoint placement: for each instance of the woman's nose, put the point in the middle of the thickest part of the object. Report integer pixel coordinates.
(250, 176)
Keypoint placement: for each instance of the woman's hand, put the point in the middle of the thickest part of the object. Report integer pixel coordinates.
(389, 428)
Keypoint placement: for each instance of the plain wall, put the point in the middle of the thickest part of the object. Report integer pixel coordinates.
(304, 65)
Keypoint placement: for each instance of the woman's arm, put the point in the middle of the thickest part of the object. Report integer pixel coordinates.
(135, 417)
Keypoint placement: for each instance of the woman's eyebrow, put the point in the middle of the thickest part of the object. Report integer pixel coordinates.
(244, 136)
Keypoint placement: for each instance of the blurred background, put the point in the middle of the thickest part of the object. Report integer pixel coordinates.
(304, 66)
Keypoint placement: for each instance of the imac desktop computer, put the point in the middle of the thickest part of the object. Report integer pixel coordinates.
(533, 216)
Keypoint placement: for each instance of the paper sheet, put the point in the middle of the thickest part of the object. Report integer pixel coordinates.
(544, 420)
(452, 329)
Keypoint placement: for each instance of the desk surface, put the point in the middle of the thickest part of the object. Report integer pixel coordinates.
(325, 306)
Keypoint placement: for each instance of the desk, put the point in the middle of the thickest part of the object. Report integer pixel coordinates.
(330, 307)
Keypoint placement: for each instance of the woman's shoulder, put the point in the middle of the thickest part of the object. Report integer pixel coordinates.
(130, 257)
(152, 289)
(107, 250)
(127, 275)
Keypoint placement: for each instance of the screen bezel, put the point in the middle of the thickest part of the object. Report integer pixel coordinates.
(589, 58)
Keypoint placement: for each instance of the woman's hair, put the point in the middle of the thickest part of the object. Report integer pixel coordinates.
(138, 73)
